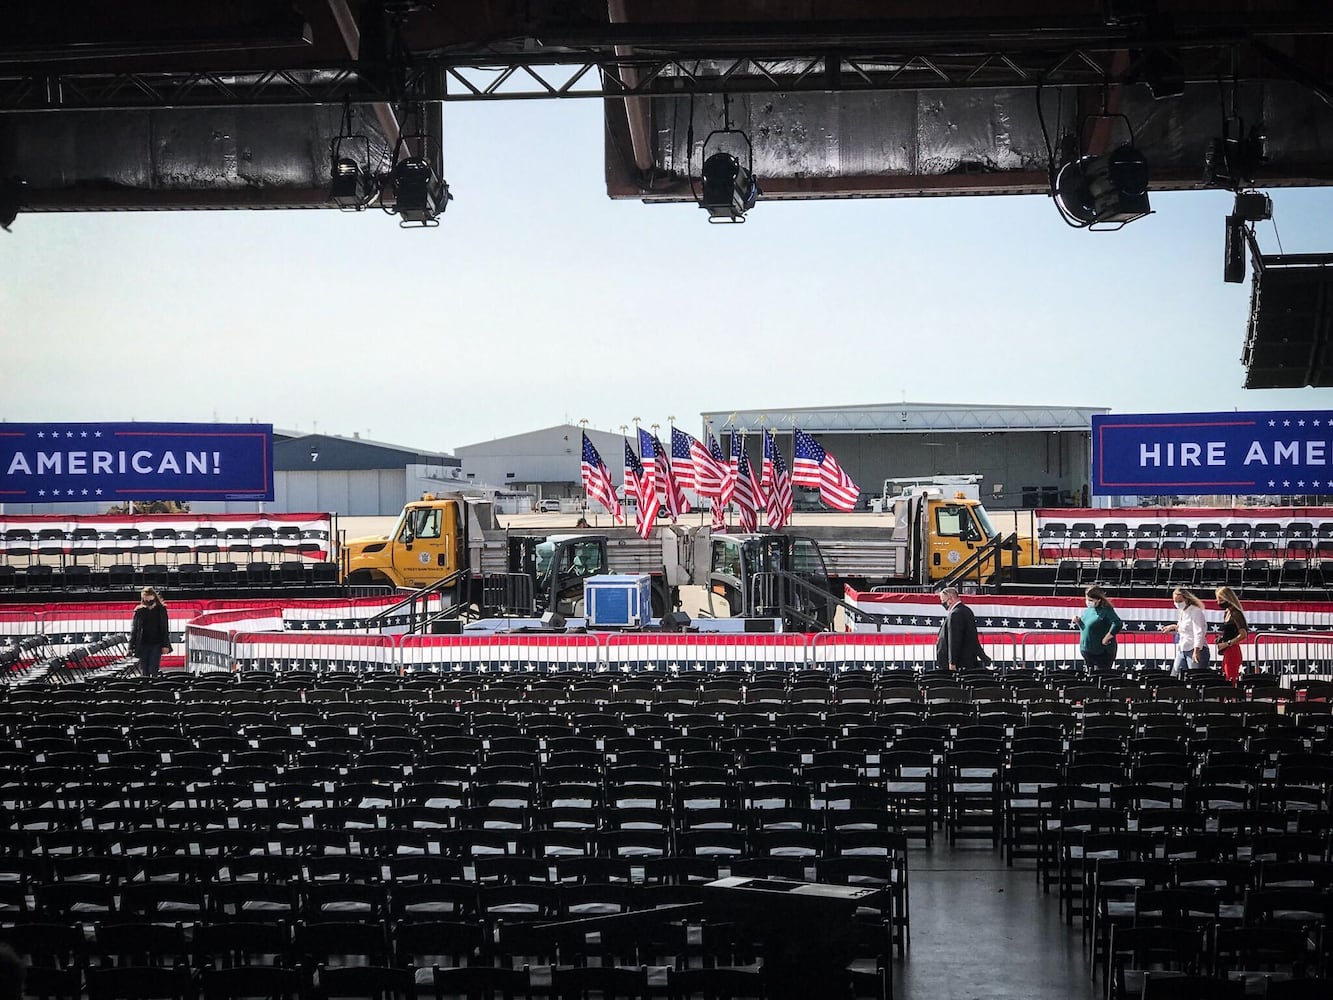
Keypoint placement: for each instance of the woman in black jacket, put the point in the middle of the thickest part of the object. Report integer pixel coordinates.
(150, 636)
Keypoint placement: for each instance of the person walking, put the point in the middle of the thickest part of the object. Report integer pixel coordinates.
(1098, 626)
(1191, 631)
(958, 646)
(1234, 631)
(150, 635)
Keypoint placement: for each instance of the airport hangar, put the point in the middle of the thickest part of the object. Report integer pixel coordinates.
(1027, 456)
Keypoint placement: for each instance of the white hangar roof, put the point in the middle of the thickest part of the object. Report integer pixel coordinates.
(883, 418)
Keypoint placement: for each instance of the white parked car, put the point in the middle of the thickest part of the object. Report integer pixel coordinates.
(549, 506)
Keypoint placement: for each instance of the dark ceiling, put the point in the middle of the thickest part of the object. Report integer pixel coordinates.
(156, 104)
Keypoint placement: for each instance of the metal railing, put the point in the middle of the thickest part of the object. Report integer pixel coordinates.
(417, 604)
(990, 554)
(798, 601)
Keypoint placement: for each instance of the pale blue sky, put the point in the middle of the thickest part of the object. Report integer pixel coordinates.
(538, 299)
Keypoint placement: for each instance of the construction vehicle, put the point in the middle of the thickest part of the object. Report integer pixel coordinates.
(454, 543)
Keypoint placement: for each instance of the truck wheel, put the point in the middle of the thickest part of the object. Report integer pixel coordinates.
(361, 578)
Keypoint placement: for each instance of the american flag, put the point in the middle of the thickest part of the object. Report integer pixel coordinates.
(597, 481)
(673, 497)
(710, 473)
(648, 457)
(647, 503)
(779, 484)
(747, 492)
(727, 475)
(682, 459)
(813, 466)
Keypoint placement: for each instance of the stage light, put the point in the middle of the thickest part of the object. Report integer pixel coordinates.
(419, 195)
(729, 185)
(729, 189)
(1104, 192)
(553, 620)
(350, 185)
(13, 197)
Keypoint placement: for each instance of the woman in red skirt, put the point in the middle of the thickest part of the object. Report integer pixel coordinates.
(1233, 633)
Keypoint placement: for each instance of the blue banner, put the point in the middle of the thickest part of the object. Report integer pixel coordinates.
(1278, 453)
(79, 463)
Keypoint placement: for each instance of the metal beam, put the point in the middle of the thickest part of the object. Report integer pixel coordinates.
(344, 17)
(532, 79)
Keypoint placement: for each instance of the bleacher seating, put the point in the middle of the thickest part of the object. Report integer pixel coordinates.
(168, 551)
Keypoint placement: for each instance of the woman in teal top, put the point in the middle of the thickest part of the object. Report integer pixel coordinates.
(1098, 625)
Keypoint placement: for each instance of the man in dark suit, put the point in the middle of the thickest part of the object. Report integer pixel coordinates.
(958, 647)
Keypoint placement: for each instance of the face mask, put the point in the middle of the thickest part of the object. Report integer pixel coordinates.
(1091, 603)
(1180, 605)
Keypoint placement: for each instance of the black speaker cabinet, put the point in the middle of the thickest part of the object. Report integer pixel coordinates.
(1289, 342)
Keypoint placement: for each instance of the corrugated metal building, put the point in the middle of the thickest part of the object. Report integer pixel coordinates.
(544, 462)
(354, 476)
(1028, 456)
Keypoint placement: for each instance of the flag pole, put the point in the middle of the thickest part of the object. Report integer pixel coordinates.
(583, 429)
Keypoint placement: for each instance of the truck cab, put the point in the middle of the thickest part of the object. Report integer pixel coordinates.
(954, 528)
(427, 544)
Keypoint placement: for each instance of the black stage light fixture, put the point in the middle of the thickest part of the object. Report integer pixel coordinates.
(350, 185)
(420, 195)
(13, 197)
(1104, 192)
(729, 186)
(553, 620)
(1289, 340)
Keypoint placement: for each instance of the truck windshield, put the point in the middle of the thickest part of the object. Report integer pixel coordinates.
(987, 529)
(544, 552)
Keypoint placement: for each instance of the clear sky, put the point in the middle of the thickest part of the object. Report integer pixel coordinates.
(540, 300)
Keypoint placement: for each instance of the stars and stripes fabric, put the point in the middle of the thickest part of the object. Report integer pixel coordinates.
(645, 496)
(1142, 616)
(813, 466)
(710, 470)
(597, 482)
(668, 490)
(647, 457)
(746, 492)
(682, 459)
(779, 484)
(728, 475)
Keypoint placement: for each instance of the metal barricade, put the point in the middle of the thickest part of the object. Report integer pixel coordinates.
(907, 651)
(717, 652)
(1290, 655)
(282, 651)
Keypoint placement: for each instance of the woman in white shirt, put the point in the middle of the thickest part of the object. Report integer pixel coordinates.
(1191, 631)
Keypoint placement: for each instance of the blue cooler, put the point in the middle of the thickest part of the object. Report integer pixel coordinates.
(618, 600)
